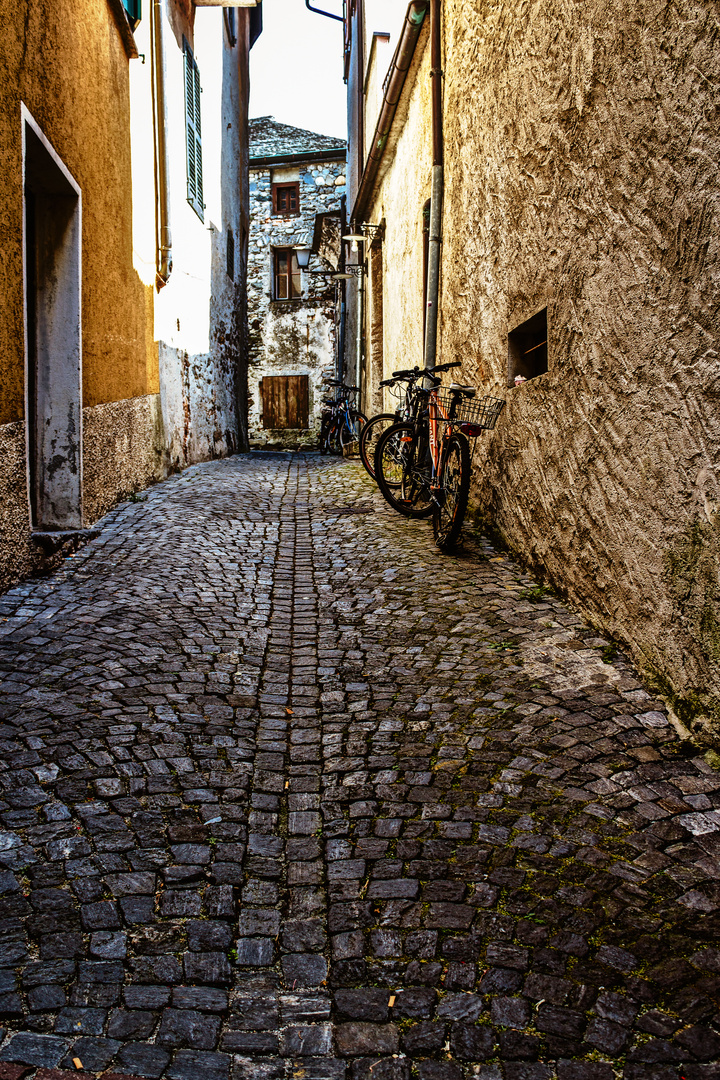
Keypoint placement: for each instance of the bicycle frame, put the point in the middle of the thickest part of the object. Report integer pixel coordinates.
(436, 417)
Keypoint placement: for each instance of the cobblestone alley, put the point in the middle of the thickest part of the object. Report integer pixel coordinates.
(285, 793)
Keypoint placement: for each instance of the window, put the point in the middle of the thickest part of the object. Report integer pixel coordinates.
(193, 133)
(286, 198)
(133, 10)
(230, 255)
(288, 284)
(528, 349)
(285, 401)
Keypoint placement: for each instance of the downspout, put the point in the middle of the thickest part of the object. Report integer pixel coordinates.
(360, 334)
(343, 293)
(436, 200)
(360, 135)
(163, 242)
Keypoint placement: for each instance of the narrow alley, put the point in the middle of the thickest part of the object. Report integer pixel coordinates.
(285, 793)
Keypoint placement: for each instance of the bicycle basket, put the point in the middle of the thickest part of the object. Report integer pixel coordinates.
(480, 413)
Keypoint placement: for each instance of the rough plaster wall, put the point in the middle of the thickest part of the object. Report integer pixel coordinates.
(17, 558)
(67, 63)
(582, 144)
(290, 337)
(130, 435)
(198, 405)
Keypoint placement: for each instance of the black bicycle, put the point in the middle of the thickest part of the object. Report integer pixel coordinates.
(341, 423)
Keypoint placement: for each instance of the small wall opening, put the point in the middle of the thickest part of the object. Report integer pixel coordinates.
(528, 349)
(53, 335)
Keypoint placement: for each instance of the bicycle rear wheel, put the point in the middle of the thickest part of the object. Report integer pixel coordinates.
(402, 471)
(370, 436)
(451, 498)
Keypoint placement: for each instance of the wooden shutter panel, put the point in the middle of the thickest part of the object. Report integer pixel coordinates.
(285, 401)
(193, 133)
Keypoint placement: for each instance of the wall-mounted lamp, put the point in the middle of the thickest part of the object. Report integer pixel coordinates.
(303, 254)
(354, 238)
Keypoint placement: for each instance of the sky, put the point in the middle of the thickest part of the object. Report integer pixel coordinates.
(296, 67)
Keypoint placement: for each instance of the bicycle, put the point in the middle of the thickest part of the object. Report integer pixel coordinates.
(380, 422)
(422, 466)
(341, 422)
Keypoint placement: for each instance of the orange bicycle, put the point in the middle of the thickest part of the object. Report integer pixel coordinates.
(422, 466)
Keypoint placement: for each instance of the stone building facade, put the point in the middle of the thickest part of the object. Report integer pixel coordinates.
(118, 360)
(297, 188)
(579, 257)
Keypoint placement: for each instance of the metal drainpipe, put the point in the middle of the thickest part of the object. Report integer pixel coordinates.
(436, 201)
(360, 329)
(163, 255)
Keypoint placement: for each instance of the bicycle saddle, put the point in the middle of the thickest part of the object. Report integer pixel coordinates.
(464, 391)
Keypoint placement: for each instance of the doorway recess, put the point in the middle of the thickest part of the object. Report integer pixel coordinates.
(53, 340)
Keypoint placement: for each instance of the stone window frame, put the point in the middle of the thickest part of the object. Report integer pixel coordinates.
(280, 186)
(294, 275)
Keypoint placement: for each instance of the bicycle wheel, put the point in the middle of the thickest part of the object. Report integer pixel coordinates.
(369, 437)
(402, 471)
(334, 437)
(324, 431)
(351, 429)
(451, 499)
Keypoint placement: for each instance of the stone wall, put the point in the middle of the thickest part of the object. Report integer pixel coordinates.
(290, 337)
(582, 142)
(129, 434)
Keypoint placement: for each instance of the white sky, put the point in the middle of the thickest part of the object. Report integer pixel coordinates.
(296, 67)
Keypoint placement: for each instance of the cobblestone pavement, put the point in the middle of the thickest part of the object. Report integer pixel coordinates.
(286, 794)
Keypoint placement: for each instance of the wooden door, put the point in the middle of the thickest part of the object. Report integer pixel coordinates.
(285, 401)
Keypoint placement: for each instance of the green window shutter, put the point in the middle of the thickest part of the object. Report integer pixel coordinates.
(133, 9)
(193, 133)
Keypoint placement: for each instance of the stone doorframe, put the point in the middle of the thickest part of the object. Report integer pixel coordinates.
(52, 268)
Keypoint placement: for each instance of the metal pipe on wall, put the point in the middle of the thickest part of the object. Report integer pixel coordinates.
(163, 239)
(327, 14)
(438, 185)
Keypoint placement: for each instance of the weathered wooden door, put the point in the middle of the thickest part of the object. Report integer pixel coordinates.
(285, 401)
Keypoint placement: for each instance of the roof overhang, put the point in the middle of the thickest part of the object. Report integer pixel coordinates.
(309, 156)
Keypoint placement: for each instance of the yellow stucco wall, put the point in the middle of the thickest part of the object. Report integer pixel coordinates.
(67, 63)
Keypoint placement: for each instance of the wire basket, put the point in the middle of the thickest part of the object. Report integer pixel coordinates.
(480, 412)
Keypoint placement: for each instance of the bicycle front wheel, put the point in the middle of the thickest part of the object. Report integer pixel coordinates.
(402, 471)
(351, 430)
(451, 498)
(370, 436)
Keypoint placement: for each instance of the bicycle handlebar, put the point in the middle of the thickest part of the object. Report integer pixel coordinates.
(408, 373)
(446, 367)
